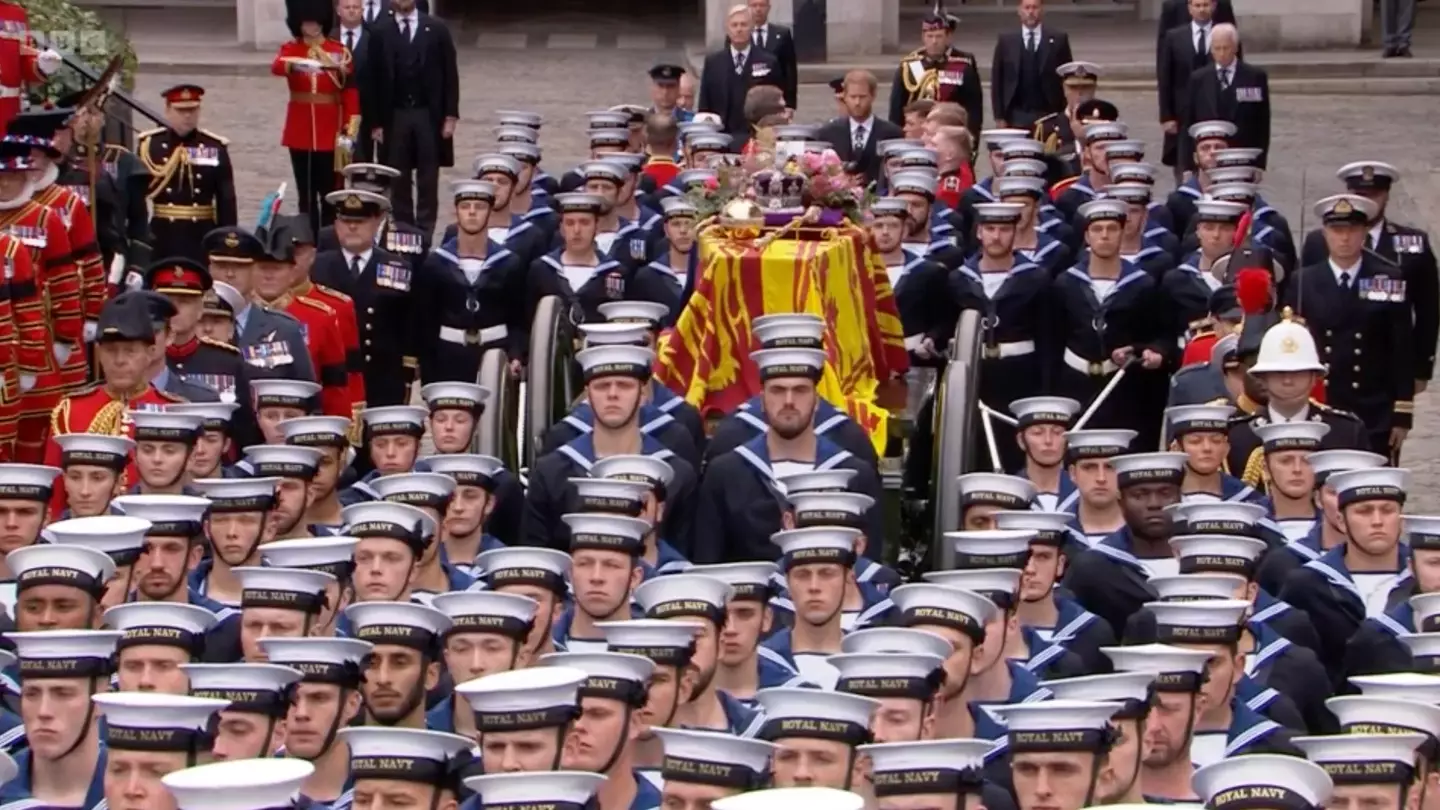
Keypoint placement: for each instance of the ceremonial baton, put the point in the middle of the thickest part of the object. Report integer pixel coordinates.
(1003, 417)
(1104, 394)
(990, 442)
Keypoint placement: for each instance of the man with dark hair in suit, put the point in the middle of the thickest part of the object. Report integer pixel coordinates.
(1025, 84)
(1183, 50)
(732, 71)
(1228, 90)
(855, 135)
(1177, 12)
(419, 108)
(376, 10)
(358, 36)
(780, 42)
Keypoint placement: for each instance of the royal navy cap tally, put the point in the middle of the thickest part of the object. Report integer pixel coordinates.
(249, 688)
(122, 537)
(916, 157)
(1130, 173)
(526, 152)
(1121, 150)
(889, 207)
(748, 581)
(214, 416)
(164, 624)
(1262, 780)
(1278, 437)
(1184, 419)
(468, 469)
(404, 624)
(704, 141)
(612, 118)
(80, 567)
(506, 614)
(1207, 130)
(423, 489)
(666, 642)
(316, 431)
(1104, 131)
(1364, 759)
(950, 767)
(714, 758)
(1149, 468)
(1220, 517)
(393, 521)
(913, 181)
(1205, 622)
(925, 603)
(610, 496)
(1022, 167)
(1217, 553)
(654, 472)
(331, 555)
(520, 118)
(829, 508)
(238, 494)
(1091, 444)
(472, 191)
(284, 460)
(616, 361)
(684, 595)
(607, 136)
(610, 675)
(1022, 148)
(677, 208)
(1104, 210)
(1001, 213)
(152, 721)
(1046, 528)
(602, 532)
(915, 676)
(1129, 193)
(333, 660)
(991, 548)
(495, 163)
(813, 714)
(1363, 714)
(778, 363)
(1176, 669)
(995, 489)
(996, 138)
(1044, 411)
(301, 589)
(1130, 689)
(521, 700)
(647, 313)
(1241, 194)
(94, 449)
(403, 754)
(1058, 725)
(1234, 158)
(394, 420)
(1424, 650)
(609, 170)
(789, 330)
(999, 585)
(817, 545)
(1378, 484)
(1421, 532)
(239, 784)
(166, 426)
(553, 790)
(65, 653)
(277, 393)
(543, 567)
(1193, 587)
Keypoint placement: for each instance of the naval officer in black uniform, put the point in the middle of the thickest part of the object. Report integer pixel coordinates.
(401, 238)
(1357, 306)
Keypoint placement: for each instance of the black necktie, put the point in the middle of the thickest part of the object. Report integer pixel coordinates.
(355, 267)
(1344, 281)
(1200, 42)
(405, 28)
(1370, 241)
(739, 62)
(370, 12)
(1030, 40)
(349, 40)
(1224, 78)
(859, 139)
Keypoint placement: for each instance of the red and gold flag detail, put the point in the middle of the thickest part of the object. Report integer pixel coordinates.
(830, 273)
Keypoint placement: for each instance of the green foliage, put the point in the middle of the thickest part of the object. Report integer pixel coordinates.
(79, 33)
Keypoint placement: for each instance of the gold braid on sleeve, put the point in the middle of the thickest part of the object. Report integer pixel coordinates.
(110, 420)
(1254, 474)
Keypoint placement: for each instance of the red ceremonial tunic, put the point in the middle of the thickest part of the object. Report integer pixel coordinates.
(18, 63)
(321, 107)
(56, 298)
(85, 250)
(953, 184)
(344, 307)
(23, 348)
(97, 410)
(320, 323)
(662, 169)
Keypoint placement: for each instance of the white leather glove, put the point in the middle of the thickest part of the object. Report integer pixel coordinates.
(49, 61)
(61, 352)
(92, 328)
(117, 270)
(27, 381)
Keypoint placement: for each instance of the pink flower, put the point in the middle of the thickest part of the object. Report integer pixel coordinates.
(830, 159)
(711, 184)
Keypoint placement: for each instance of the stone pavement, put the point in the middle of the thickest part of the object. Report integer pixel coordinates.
(1312, 137)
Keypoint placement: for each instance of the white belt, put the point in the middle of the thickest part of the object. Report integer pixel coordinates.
(1018, 348)
(9, 92)
(1094, 369)
(473, 337)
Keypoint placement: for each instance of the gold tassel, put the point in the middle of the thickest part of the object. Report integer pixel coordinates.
(1255, 469)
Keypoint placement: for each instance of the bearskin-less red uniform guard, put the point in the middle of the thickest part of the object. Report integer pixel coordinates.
(21, 62)
(23, 349)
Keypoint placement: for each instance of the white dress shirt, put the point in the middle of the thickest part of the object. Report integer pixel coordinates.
(1196, 28)
(1026, 34)
(412, 19)
(350, 37)
(350, 259)
(868, 124)
(1351, 273)
(761, 36)
(741, 55)
(1375, 231)
(1276, 418)
(1226, 74)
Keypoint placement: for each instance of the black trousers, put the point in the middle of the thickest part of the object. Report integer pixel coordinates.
(180, 237)
(412, 145)
(314, 178)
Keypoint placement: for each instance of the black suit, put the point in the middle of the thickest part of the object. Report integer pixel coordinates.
(1174, 65)
(1177, 12)
(383, 8)
(419, 87)
(390, 328)
(1024, 86)
(1245, 103)
(780, 42)
(722, 90)
(838, 134)
(364, 64)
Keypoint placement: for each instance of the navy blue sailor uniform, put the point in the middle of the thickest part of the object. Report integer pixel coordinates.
(654, 423)
(921, 288)
(831, 423)
(680, 280)
(469, 306)
(1076, 630)
(1381, 646)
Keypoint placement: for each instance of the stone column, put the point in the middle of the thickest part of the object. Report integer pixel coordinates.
(261, 23)
(1298, 24)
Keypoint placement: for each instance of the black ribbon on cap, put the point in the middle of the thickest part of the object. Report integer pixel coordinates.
(154, 433)
(1217, 564)
(1199, 426)
(470, 478)
(546, 717)
(818, 556)
(59, 575)
(706, 772)
(1228, 527)
(418, 498)
(507, 626)
(632, 693)
(1369, 772)
(792, 342)
(1093, 451)
(1044, 418)
(181, 740)
(1075, 739)
(1179, 682)
(1258, 797)
(285, 469)
(943, 617)
(636, 370)
(310, 603)
(612, 505)
(400, 768)
(1151, 475)
(348, 674)
(528, 575)
(191, 643)
(983, 497)
(455, 404)
(752, 592)
(172, 528)
(70, 667)
(1427, 750)
(904, 686)
(394, 428)
(94, 458)
(814, 728)
(1283, 443)
(402, 635)
(24, 492)
(970, 561)
(248, 503)
(599, 541)
(698, 608)
(534, 805)
(923, 781)
(412, 536)
(281, 401)
(1419, 541)
(663, 656)
(1374, 492)
(268, 702)
(324, 438)
(779, 370)
(806, 518)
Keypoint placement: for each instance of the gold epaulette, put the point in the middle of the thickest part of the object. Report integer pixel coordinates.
(220, 344)
(1247, 405)
(1254, 474)
(115, 149)
(1223, 401)
(331, 291)
(60, 417)
(1323, 408)
(150, 133)
(320, 305)
(224, 141)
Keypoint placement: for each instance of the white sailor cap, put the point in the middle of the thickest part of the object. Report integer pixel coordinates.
(1422, 532)
(149, 721)
(1363, 714)
(284, 588)
(1022, 167)
(166, 624)
(1006, 187)
(1281, 436)
(913, 181)
(667, 643)
(166, 426)
(472, 190)
(284, 460)
(604, 170)
(120, 536)
(1232, 174)
(403, 754)
(519, 118)
(168, 516)
(776, 363)
(991, 548)
(613, 675)
(1048, 528)
(1079, 72)
(915, 157)
(927, 766)
(890, 674)
(904, 640)
(999, 213)
(1057, 725)
(1226, 212)
(1368, 174)
(788, 330)
(239, 784)
(650, 470)
(616, 361)
(1105, 131)
(1378, 484)
(604, 532)
(1137, 172)
(1084, 444)
(794, 712)
(995, 489)
(1193, 587)
(561, 790)
(543, 567)
(394, 521)
(1130, 193)
(1346, 208)
(249, 688)
(455, 395)
(1204, 622)
(1149, 468)
(495, 163)
(1130, 689)
(1364, 759)
(995, 138)
(1325, 462)
(616, 333)
(1205, 130)
(810, 798)
(671, 208)
(1128, 148)
(1022, 148)
(507, 614)
(835, 479)
(610, 496)
(817, 545)
(1424, 650)
(830, 508)
(231, 297)
(94, 449)
(1102, 210)
(999, 585)
(26, 482)
(1198, 418)
(890, 145)
(320, 660)
(65, 653)
(415, 488)
(360, 169)
(1417, 686)
(713, 758)
(238, 494)
(332, 555)
(1235, 157)
(685, 594)
(404, 624)
(1217, 553)
(394, 420)
(648, 313)
(1272, 780)
(273, 392)
(1176, 669)
(467, 469)
(74, 566)
(926, 603)
(523, 699)
(750, 581)
(796, 132)
(705, 141)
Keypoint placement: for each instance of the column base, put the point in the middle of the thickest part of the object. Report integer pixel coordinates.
(261, 23)
(1302, 24)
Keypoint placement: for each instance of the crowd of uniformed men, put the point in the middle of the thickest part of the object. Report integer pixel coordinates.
(232, 578)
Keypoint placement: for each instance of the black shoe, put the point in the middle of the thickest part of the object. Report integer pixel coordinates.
(1404, 52)
(1388, 53)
